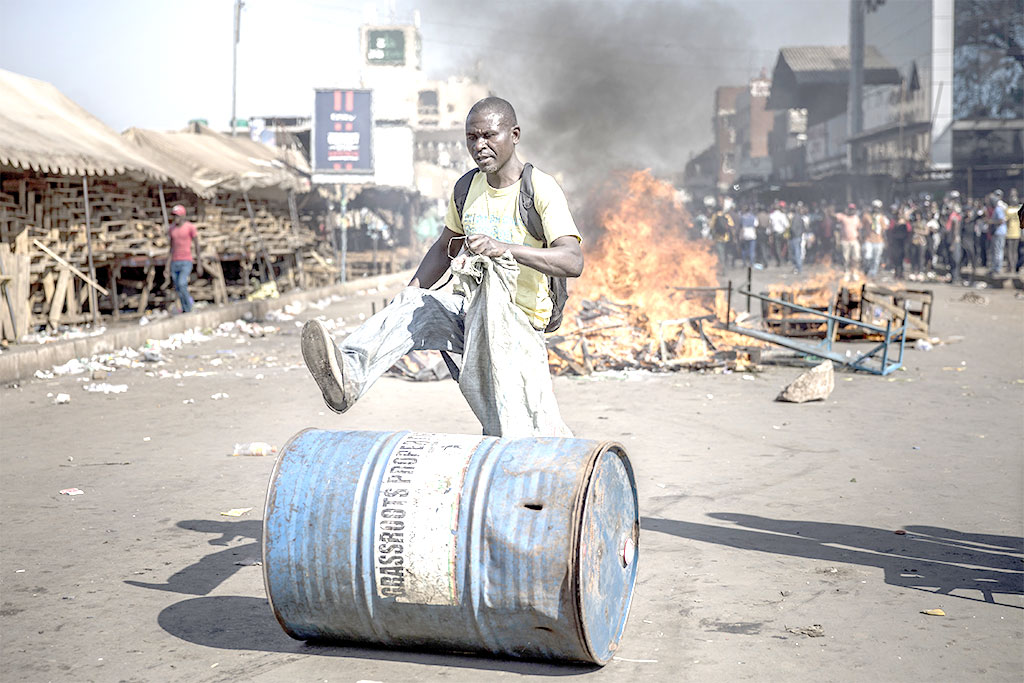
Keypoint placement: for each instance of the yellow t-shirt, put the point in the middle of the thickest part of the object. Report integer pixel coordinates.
(495, 213)
(1013, 224)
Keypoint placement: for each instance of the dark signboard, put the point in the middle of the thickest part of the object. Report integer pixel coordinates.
(385, 47)
(342, 127)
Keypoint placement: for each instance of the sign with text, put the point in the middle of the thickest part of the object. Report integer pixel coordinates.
(342, 132)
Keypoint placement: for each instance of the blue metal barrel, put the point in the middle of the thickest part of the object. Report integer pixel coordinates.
(515, 547)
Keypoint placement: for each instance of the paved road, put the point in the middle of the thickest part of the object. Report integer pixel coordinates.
(758, 517)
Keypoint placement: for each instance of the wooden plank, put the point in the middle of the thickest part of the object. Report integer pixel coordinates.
(59, 296)
(146, 289)
(74, 270)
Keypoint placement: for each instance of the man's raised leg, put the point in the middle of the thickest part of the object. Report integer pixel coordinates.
(418, 319)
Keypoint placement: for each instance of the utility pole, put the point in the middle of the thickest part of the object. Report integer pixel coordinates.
(855, 98)
(234, 61)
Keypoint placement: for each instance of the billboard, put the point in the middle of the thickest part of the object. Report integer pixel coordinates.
(342, 132)
(385, 47)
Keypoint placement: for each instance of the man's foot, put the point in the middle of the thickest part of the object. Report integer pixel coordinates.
(325, 364)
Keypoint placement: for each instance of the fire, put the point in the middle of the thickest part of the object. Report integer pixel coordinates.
(643, 253)
(630, 308)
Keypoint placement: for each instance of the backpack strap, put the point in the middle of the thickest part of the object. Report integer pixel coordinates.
(462, 190)
(527, 209)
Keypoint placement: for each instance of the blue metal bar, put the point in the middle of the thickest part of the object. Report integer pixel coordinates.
(797, 307)
(824, 348)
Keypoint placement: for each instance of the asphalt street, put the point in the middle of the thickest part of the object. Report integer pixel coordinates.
(769, 548)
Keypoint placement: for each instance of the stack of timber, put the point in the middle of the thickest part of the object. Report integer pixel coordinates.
(43, 223)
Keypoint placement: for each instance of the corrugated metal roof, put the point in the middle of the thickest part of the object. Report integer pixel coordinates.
(43, 130)
(830, 58)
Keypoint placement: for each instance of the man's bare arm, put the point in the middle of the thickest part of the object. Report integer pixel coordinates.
(563, 258)
(437, 259)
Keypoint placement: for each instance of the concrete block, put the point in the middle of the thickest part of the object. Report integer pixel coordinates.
(814, 385)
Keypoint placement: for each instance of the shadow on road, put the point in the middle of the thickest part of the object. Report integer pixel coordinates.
(926, 558)
(211, 570)
(246, 623)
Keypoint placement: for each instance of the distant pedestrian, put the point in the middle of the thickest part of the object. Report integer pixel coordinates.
(998, 230)
(748, 237)
(182, 235)
(899, 234)
(722, 226)
(876, 225)
(849, 240)
(763, 226)
(1014, 244)
(780, 226)
(797, 234)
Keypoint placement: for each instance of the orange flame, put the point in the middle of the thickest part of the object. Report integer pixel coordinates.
(629, 309)
(644, 254)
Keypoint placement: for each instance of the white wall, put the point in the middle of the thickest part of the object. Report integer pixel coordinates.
(392, 156)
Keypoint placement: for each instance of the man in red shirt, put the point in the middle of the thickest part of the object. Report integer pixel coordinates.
(181, 235)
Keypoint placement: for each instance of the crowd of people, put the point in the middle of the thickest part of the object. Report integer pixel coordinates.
(952, 238)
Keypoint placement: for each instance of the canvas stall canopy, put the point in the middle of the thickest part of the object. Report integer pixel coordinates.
(43, 130)
(207, 162)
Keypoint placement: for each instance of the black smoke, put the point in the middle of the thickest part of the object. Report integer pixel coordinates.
(598, 85)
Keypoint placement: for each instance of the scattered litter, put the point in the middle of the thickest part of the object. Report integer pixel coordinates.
(923, 345)
(19, 571)
(44, 374)
(259, 376)
(72, 492)
(189, 401)
(105, 388)
(254, 448)
(748, 378)
(815, 631)
(900, 532)
(218, 396)
(64, 334)
(829, 570)
(236, 512)
(62, 399)
(972, 298)
(143, 321)
(710, 396)
(635, 661)
(853, 480)
(145, 438)
(152, 355)
(254, 563)
(933, 612)
(268, 290)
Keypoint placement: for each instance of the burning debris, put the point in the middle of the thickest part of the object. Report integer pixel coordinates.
(649, 297)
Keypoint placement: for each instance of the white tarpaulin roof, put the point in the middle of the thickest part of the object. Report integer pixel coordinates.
(42, 130)
(206, 162)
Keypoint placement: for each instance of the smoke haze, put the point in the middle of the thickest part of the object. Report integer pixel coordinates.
(606, 85)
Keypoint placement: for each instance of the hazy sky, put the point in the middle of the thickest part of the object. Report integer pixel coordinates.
(157, 64)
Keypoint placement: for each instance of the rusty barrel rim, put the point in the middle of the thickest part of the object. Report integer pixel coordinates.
(602, 535)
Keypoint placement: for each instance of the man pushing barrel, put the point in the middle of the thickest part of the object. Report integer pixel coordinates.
(487, 217)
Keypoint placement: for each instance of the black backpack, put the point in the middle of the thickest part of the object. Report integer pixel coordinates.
(531, 219)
